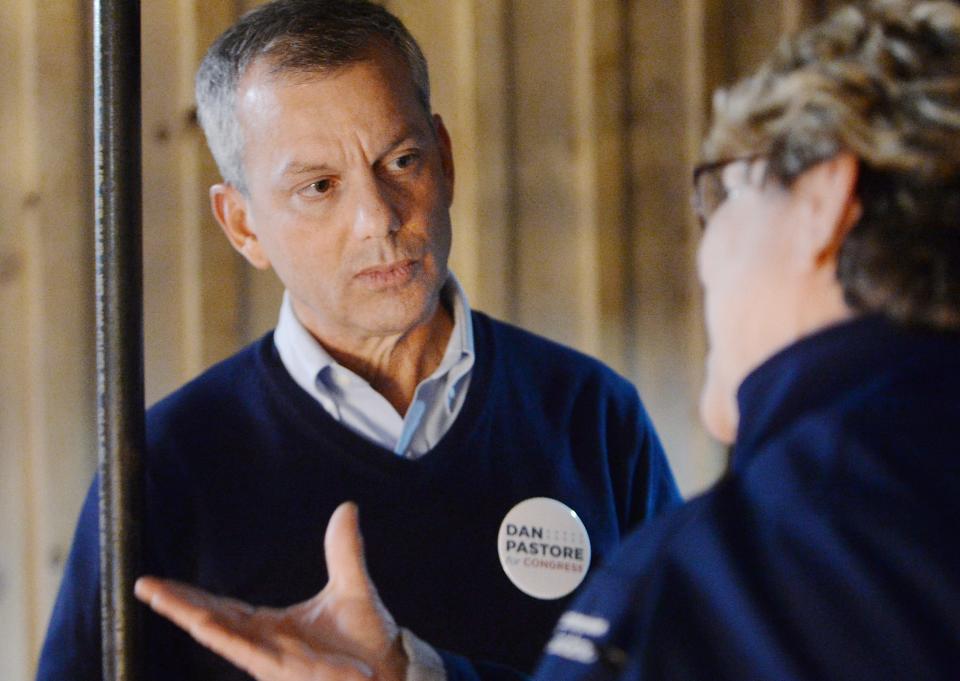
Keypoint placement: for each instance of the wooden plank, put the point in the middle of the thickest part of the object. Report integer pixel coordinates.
(199, 298)
(63, 411)
(488, 177)
(547, 239)
(749, 31)
(598, 101)
(18, 588)
(260, 295)
(47, 424)
(171, 324)
(16, 593)
(663, 131)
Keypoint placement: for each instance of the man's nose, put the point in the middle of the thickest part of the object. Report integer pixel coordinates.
(376, 214)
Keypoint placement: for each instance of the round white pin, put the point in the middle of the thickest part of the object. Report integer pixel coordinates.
(544, 548)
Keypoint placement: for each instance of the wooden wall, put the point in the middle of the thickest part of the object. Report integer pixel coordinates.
(46, 292)
(575, 126)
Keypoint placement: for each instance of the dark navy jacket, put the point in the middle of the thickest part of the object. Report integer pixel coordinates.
(830, 552)
(244, 469)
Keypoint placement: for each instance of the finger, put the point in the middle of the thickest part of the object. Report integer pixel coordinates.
(343, 549)
(221, 624)
(209, 619)
(184, 600)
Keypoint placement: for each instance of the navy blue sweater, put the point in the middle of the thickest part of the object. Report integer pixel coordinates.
(244, 469)
(829, 553)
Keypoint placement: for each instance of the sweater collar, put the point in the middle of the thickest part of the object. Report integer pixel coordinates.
(811, 373)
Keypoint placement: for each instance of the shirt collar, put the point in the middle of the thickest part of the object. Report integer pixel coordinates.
(302, 355)
(460, 346)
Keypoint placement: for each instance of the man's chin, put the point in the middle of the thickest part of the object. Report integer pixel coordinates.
(396, 319)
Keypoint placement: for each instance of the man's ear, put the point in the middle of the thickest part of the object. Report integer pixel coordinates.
(831, 208)
(446, 151)
(229, 207)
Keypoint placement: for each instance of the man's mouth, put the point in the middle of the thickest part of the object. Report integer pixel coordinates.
(388, 275)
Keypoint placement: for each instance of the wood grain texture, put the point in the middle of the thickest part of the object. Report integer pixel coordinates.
(47, 445)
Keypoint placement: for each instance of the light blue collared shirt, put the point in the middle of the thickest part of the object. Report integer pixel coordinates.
(353, 402)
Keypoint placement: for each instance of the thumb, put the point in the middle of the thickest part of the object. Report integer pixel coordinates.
(343, 550)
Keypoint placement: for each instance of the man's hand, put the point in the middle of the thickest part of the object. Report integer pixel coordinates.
(343, 633)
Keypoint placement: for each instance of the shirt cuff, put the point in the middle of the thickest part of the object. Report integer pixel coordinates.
(424, 662)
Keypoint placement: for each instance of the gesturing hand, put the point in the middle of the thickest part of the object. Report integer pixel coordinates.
(343, 633)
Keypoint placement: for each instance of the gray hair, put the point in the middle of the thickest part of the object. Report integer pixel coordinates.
(299, 36)
(882, 81)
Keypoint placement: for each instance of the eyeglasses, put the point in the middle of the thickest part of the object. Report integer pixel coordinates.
(709, 191)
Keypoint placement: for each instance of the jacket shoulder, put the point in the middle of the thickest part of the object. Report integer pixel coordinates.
(218, 395)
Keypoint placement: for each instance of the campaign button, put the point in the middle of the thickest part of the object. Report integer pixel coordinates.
(544, 548)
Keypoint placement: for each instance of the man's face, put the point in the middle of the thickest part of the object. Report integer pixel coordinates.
(349, 187)
(744, 262)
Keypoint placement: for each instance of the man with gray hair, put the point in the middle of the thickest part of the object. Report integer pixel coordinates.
(480, 454)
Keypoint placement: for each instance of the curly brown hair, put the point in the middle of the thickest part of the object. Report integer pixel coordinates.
(882, 81)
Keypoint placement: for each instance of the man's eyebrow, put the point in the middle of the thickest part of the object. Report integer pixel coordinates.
(294, 168)
(407, 133)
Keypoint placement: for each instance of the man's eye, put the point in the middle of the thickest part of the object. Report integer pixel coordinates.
(405, 161)
(318, 188)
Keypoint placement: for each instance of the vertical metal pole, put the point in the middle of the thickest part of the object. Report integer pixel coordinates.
(119, 274)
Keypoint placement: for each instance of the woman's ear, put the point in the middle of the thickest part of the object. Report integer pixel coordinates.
(229, 207)
(827, 196)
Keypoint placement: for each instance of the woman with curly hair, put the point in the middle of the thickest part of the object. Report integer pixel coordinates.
(830, 260)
